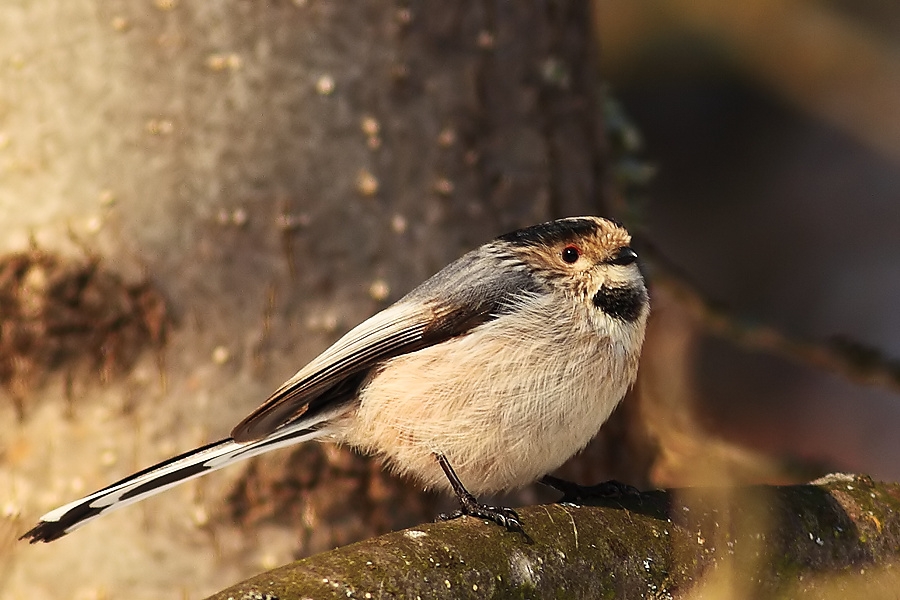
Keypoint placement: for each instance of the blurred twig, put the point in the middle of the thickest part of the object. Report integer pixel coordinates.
(844, 356)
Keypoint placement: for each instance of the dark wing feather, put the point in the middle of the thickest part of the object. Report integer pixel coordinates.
(478, 287)
(332, 378)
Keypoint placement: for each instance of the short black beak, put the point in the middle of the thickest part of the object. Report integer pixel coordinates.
(624, 256)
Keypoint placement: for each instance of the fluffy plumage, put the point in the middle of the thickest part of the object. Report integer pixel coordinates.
(504, 364)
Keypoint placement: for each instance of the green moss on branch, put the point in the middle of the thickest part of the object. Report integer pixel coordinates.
(792, 541)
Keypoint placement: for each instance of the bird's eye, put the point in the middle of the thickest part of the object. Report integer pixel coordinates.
(570, 254)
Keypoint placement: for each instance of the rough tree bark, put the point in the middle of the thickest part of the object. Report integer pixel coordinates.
(279, 171)
(835, 538)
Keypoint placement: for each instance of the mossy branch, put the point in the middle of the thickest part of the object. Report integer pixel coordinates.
(818, 540)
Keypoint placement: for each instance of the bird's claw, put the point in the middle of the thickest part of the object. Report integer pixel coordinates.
(505, 517)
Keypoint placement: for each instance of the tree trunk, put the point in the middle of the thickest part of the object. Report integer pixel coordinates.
(278, 171)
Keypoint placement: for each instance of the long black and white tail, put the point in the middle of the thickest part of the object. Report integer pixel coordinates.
(169, 473)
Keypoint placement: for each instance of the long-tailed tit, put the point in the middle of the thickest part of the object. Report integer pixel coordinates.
(484, 378)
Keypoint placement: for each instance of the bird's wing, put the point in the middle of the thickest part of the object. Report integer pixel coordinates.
(197, 462)
(334, 376)
(478, 287)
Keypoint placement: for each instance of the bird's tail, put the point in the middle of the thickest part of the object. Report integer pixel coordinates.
(169, 473)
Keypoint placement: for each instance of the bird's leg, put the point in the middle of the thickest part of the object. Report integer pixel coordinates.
(505, 517)
(574, 493)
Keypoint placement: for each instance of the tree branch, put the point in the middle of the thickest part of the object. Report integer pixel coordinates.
(849, 358)
(814, 540)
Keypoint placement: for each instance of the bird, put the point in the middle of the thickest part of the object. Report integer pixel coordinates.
(485, 378)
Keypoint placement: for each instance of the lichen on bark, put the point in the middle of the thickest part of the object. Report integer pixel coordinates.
(762, 541)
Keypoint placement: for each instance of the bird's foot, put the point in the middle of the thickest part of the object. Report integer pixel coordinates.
(501, 515)
(468, 505)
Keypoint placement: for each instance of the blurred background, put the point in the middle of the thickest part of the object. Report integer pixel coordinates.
(775, 136)
(197, 197)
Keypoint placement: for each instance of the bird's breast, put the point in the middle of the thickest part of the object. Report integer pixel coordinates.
(507, 403)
